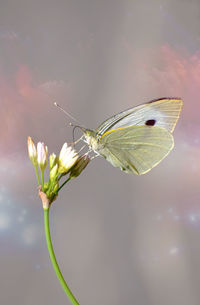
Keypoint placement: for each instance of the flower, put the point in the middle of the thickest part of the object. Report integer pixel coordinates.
(32, 151)
(67, 159)
(42, 152)
(80, 165)
(68, 162)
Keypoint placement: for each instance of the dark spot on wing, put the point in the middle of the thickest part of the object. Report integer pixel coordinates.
(150, 122)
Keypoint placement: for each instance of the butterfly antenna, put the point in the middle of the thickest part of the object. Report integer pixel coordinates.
(76, 126)
(68, 114)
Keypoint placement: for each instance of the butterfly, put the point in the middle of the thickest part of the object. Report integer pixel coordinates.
(139, 138)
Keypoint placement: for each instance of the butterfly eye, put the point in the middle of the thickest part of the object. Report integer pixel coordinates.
(150, 122)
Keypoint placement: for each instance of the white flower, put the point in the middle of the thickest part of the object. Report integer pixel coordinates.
(32, 151)
(42, 152)
(67, 159)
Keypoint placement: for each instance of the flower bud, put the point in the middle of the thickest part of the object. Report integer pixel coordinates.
(42, 152)
(52, 160)
(32, 151)
(56, 187)
(67, 159)
(45, 187)
(80, 165)
(53, 172)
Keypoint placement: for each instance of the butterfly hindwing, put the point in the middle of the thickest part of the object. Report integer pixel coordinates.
(136, 149)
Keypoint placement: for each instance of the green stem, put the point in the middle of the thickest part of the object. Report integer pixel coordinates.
(64, 184)
(37, 175)
(60, 177)
(42, 178)
(54, 261)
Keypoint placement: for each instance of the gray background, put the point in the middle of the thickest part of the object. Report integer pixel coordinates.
(119, 239)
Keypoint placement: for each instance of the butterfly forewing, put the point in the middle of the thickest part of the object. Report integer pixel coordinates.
(162, 113)
(136, 149)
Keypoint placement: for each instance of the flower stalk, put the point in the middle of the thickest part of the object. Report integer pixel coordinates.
(68, 163)
(66, 288)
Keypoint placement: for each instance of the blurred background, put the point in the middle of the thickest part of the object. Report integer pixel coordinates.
(119, 238)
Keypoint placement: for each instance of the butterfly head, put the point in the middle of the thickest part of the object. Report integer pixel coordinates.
(91, 138)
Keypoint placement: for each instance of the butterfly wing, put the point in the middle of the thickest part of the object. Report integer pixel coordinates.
(136, 149)
(162, 113)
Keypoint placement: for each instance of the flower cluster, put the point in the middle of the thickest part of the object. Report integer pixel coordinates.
(67, 163)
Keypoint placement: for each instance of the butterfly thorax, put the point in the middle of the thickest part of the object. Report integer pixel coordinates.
(91, 137)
